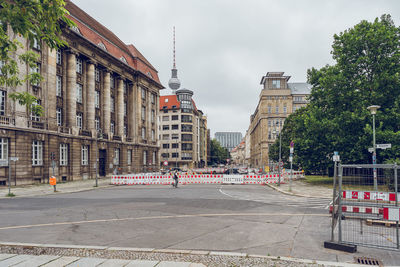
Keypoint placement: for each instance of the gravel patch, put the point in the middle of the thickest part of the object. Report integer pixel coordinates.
(208, 260)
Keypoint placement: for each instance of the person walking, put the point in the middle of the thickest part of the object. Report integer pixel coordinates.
(175, 184)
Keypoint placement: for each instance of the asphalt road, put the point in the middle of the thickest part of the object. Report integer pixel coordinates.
(253, 219)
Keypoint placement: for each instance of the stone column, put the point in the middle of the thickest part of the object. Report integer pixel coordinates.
(106, 103)
(132, 112)
(120, 107)
(71, 91)
(90, 116)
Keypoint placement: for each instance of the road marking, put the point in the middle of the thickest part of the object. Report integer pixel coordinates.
(161, 217)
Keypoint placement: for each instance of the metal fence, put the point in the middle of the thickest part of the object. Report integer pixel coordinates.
(365, 207)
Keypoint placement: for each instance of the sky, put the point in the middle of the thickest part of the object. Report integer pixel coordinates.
(225, 47)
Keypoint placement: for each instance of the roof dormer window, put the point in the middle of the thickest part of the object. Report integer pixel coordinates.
(166, 100)
(123, 60)
(149, 74)
(102, 46)
(75, 29)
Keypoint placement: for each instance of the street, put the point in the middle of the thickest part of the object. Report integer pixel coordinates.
(251, 219)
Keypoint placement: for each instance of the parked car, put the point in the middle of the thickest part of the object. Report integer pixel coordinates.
(232, 171)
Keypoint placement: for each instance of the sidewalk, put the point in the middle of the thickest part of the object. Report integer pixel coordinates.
(302, 189)
(46, 189)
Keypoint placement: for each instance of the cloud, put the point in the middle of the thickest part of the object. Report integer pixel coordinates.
(224, 47)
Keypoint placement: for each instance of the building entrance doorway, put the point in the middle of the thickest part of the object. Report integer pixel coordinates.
(102, 162)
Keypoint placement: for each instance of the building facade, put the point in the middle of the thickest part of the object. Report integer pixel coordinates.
(229, 140)
(100, 98)
(278, 99)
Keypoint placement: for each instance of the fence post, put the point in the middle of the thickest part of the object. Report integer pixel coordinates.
(396, 191)
(340, 204)
(333, 201)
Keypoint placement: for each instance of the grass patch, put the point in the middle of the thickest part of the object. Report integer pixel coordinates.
(10, 195)
(319, 180)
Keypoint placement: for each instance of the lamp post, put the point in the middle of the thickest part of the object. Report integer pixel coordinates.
(280, 154)
(373, 110)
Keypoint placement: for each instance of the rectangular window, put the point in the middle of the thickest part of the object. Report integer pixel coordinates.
(3, 149)
(269, 109)
(175, 136)
(36, 69)
(2, 102)
(143, 93)
(165, 118)
(112, 127)
(153, 135)
(276, 84)
(294, 108)
(112, 82)
(129, 157)
(166, 146)
(97, 99)
(186, 118)
(79, 93)
(125, 84)
(125, 109)
(187, 137)
(125, 130)
(284, 109)
(59, 116)
(165, 137)
(175, 145)
(97, 75)
(165, 127)
(59, 86)
(112, 104)
(79, 65)
(85, 155)
(79, 120)
(276, 109)
(143, 132)
(175, 155)
(116, 156)
(59, 57)
(175, 117)
(269, 123)
(154, 158)
(165, 155)
(144, 157)
(36, 44)
(143, 113)
(153, 98)
(175, 127)
(153, 116)
(37, 153)
(187, 146)
(186, 128)
(97, 123)
(35, 117)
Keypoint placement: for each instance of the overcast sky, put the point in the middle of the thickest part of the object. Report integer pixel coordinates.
(224, 47)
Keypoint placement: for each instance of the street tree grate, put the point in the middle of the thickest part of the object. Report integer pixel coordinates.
(368, 261)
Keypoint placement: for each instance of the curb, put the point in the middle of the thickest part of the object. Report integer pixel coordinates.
(293, 194)
(179, 251)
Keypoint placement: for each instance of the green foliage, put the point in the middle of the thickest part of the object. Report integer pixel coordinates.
(33, 20)
(367, 72)
(218, 154)
(29, 101)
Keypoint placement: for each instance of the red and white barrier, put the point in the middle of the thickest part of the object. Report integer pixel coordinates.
(366, 195)
(391, 214)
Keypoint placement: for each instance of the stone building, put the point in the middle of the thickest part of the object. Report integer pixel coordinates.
(229, 140)
(278, 99)
(100, 98)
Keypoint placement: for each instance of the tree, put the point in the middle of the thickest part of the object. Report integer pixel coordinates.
(34, 21)
(218, 154)
(367, 72)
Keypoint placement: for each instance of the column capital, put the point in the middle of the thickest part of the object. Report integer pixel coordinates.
(72, 51)
(90, 61)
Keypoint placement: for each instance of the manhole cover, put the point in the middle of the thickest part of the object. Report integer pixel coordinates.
(368, 261)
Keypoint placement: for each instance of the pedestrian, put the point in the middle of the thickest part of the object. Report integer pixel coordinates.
(175, 184)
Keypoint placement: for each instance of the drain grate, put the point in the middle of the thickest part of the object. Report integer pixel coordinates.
(368, 261)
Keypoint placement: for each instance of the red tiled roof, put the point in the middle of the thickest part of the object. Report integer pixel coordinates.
(95, 32)
(168, 101)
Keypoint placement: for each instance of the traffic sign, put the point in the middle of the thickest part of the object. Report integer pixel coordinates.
(383, 146)
(290, 158)
(165, 163)
(336, 156)
(370, 149)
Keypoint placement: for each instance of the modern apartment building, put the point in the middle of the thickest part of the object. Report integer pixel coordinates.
(100, 98)
(278, 99)
(183, 131)
(228, 140)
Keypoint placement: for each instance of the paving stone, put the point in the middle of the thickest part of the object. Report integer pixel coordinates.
(15, 260)
(86, 262)
(61, 261)
(138, 263)
(114, 263)
(37, 261)
(173, 264)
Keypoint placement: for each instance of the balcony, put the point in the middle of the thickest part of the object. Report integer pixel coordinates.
(117, 138)
(37, 124)
(129, 139)
(63, 129)
(7, 120)
(85, 133)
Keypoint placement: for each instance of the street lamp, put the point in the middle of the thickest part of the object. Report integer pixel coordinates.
(373, 110)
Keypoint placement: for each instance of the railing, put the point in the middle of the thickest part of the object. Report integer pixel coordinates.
(117, 138)
(129, 139)
(37, 124)
(7, 120)
(85, 133)
(63, 129)
(105, 136)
